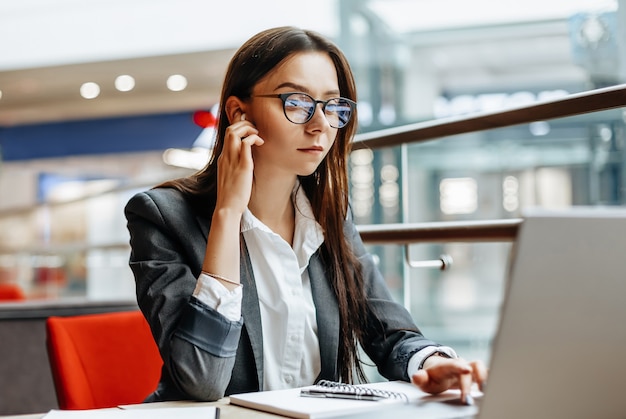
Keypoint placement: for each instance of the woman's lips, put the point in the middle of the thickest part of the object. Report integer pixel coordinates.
(312, 149)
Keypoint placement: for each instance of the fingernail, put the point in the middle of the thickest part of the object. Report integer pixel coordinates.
(469, 400)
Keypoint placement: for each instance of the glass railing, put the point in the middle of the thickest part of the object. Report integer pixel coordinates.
(462, 198)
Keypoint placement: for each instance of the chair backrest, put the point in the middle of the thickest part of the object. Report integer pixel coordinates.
(11, 292)
(102, 360)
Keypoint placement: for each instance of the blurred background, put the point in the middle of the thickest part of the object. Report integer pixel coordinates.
(101, 99)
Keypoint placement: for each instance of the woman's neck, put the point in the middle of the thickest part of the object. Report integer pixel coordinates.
(272, 204)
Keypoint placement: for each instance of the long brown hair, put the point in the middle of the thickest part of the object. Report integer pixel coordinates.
(326, 188)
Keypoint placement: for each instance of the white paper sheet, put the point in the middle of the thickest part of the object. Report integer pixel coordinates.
(152, 412)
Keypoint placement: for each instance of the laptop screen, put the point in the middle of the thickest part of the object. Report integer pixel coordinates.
(559, 350)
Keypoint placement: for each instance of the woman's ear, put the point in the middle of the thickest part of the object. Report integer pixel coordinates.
(235, 108)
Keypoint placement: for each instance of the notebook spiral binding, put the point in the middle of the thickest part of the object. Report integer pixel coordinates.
(356, 390)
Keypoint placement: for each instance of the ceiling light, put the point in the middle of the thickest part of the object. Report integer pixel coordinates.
(195, 158)
(176, 82)
(124, 83)
(0, 94)
(90, 90)
(539, 128)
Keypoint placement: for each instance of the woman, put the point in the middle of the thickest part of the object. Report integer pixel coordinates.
(250, 272)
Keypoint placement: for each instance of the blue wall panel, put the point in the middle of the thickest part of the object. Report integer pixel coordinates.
(98, 136)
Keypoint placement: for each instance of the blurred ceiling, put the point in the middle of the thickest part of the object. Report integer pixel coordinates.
(49, 49)
(48, 94)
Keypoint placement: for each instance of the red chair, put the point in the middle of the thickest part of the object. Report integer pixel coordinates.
(11, 292)
(102, 360)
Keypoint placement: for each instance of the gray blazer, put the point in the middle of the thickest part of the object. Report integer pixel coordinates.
(207, 356)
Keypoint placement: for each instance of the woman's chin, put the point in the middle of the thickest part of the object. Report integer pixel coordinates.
(307, 171)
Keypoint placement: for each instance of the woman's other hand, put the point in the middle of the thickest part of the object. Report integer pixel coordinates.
(440, 374)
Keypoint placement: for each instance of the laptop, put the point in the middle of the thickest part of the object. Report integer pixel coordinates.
(560, 348)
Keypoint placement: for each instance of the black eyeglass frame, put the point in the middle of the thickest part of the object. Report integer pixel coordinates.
(284, 96)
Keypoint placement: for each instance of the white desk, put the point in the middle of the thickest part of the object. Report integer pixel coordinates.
(227, 411)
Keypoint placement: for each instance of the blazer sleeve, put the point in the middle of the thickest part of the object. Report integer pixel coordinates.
(197, 344)
(392, 336)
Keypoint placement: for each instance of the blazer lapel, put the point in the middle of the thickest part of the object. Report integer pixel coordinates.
(250, 309)
(327, 314)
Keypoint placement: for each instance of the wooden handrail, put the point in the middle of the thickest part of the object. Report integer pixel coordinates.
(570, 105)
(430, 232)
(451, 231)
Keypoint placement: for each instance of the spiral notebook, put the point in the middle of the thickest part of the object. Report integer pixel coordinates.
(333, 390)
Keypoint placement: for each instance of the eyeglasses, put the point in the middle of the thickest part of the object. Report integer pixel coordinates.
(299, 108)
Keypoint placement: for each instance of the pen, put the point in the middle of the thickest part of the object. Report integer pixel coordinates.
(339, 395)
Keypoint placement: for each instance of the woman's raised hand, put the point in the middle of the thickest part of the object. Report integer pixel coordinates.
(235, 166)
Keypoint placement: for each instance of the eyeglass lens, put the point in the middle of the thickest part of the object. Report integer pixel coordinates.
(300, 107)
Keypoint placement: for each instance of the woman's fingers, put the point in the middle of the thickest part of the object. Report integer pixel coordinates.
(240, 137)
(441, 375)
(465, 385)
(479, 373)
(427, 383)
(235, 165)
(445, 374)
(247, 143)
(236, 133)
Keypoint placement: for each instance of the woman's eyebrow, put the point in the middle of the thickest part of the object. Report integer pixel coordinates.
(303, 89)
